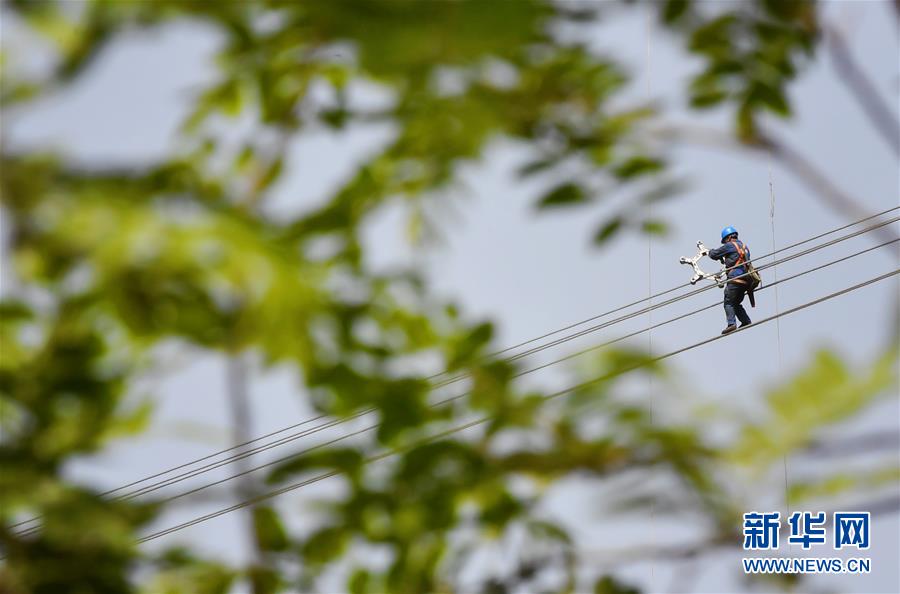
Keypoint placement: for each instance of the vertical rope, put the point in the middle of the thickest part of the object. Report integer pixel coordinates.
(787, 503)
(775, 267)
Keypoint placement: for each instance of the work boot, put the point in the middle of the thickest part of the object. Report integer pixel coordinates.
(745, 324)
(729, 329)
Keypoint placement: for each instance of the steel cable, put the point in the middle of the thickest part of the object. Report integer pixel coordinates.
(441, 435)
(334, 422)
(451, 399)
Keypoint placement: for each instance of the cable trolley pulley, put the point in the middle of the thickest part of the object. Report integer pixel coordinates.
(717, 277)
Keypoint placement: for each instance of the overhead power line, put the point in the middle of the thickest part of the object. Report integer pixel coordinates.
(667, 291)
(335, 422)
(261, 449)
(707, 307)
(671, 300)
(199, 471)
(481, 420)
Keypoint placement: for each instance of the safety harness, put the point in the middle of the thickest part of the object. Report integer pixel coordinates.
(752, 278)
(741, 259)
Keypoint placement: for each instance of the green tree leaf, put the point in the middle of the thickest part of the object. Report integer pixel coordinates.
(609, 230)
(563, 195)
(270, 533)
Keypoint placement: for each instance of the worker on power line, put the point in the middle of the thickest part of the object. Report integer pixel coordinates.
(735, 255)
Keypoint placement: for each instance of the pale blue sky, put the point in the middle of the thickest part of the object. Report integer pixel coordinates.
(533, 274)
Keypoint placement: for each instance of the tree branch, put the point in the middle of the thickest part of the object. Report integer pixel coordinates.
(829, 193)
(860, 444)
(863, 90)
(819, 183)
(238, 398)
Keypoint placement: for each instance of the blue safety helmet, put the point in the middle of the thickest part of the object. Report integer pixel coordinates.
(728, 231)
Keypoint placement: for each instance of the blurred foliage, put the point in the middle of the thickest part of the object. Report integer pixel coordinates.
(750, 51)
(111, 262)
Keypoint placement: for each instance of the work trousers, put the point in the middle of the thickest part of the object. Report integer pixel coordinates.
(734, 294)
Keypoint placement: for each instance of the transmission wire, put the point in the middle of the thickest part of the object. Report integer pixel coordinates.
(556, 342)
(440, 435)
